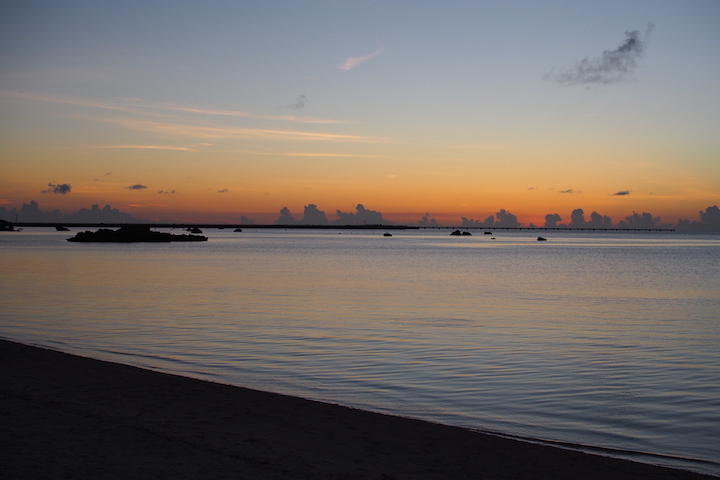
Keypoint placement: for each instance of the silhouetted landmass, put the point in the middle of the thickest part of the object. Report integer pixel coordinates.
(133, 233)
(6, 226)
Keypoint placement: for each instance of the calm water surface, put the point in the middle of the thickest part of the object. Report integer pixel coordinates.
(606, 341)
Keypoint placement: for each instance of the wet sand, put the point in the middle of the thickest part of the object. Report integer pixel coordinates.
(64, 416)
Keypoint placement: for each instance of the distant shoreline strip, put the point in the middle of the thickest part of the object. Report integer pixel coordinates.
(326, 227)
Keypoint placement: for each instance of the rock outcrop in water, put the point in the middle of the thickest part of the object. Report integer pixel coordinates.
(133, 233)
(6, 226)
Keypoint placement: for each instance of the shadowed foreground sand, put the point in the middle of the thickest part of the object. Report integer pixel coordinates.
(63, 416)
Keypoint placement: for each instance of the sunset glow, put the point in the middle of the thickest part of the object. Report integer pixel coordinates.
(187, 112)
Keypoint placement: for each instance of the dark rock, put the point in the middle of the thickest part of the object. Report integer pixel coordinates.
(133, 233)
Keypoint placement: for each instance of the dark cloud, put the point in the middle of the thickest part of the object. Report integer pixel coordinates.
(709, 221)
(621, 193)
(165, 191)
(60, 189)
(426, 221)
(469, 222)
(299, 103)
(503, 218)
(599, 221)
(137, 186)
(577, 218)
(506, 219)
(224, 190)
(641, 220)
(313, 216)
(711, 217)
(31, 212)
(362, 216)
(552, 220)
(610, 67)
(570, 190)
(285, 217)
(245, 220)
(96, 214)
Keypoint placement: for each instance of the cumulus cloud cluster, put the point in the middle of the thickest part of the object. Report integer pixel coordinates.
(577, 220)
(427, 221)
(503, 218)
(31, 212)
(709, 219)
(313, 216)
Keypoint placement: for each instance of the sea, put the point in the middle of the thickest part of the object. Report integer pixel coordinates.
(600, 341)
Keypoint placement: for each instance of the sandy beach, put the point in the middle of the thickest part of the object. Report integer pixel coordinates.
(65, 416)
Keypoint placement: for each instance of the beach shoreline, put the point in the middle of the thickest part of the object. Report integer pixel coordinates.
(66, 416)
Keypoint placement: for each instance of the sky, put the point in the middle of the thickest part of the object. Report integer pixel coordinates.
(209, 111)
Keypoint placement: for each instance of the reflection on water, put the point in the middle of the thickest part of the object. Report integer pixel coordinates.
(603, 339)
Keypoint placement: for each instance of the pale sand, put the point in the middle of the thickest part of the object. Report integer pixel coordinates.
(64, 416)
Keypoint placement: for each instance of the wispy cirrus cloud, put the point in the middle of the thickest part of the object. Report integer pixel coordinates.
(352, 62)
(215, 132)
(482, 146)
(238, 113)
(64, 100)
(136, 106)
(343, 155)
(151, 147)
(173, 125)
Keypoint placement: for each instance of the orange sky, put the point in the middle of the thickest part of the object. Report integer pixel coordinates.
(361, 104)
